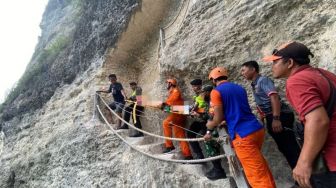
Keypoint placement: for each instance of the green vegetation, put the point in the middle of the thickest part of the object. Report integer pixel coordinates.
(10, 97)
(78, 6)
(1, 106)
(77, 3)
(50, 53)
(42, 59)
(34, 73)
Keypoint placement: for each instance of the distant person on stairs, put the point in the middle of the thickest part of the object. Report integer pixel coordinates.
(136, 92)
(229, 101)
(119, 97)
(175, 122)
(200, 112)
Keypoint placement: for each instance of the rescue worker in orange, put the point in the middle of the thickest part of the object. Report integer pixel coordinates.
(175, 122)
(229, 100)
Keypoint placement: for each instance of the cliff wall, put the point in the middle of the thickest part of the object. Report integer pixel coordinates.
(52, 139)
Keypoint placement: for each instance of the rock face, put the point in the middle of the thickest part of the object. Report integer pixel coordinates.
(59, 144)
(75, 33)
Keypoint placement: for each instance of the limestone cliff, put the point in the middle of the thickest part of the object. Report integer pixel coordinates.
(51, 140)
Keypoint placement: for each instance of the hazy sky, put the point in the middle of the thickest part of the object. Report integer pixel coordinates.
(19, 31)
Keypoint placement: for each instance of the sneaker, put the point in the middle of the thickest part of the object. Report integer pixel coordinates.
(123, 127)
(139, 134)
(215, 174)
(167, 150)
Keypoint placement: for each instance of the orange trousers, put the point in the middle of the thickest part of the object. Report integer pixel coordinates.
(248, 150)
(179, 120)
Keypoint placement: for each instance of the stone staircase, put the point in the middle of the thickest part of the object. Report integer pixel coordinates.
(150, 145)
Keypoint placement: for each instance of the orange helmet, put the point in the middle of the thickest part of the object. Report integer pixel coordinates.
(218, 72)
(172, 81)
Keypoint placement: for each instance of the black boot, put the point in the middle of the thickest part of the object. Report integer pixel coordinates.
(124, 126)
(199, 155)
(217, 172)
(167, 150)
(138, 134)
(188, 158)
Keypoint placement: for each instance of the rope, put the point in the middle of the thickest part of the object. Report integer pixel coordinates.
(147, 117)
(155, 157)
(179, 27)
(126, 111)
(150, 134)
(147, 106)
(175, 18)
(156, 118)
(134, 114)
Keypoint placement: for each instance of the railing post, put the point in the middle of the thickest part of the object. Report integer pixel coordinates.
(162, 40)
(2, 141)
(95, 102)
(234, 164)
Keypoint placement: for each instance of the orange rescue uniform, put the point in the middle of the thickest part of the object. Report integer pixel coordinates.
(175, 98)
(248, 150)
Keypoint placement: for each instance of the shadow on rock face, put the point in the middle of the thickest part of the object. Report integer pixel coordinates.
(11, 180)
(2, 141)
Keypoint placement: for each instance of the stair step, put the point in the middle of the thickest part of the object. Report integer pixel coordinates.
(154, 148)
(134, 140)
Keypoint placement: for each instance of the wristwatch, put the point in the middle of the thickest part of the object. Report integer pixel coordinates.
(209, 131)
(276, 117)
